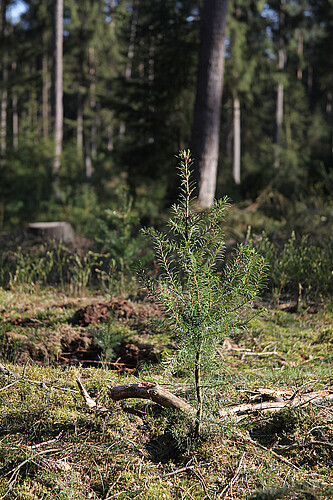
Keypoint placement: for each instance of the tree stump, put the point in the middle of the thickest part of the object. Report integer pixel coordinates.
(60, 231)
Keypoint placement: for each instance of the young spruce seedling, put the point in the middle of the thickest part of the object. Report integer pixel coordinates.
(202, 304)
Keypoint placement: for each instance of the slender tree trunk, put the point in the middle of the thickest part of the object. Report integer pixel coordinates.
(198, 391)
(4, 103)
(4, 87)
(237, 142)
(110, 138)
(279, 111)
(300, 56)
(229, 129)
(207, 110)
(130, 53)
(92, 72)
(87, 156)
(58, 84)
(15, 112)
(79, 123)
(46, 88)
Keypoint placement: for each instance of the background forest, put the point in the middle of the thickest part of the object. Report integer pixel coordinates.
(129, 85)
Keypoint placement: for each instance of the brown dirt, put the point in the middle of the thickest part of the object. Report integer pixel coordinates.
(100, 312)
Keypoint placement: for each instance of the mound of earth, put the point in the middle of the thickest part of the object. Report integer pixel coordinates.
(100, 312)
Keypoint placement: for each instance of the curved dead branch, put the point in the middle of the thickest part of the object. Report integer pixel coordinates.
(149, 390)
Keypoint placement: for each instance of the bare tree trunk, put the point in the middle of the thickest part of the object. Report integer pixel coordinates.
(87, 156)
(58, 84)
(236, 168)
(79, 123)
(280, 91)
(130, 53)
(300, 55)
(279, 111)
(46, 88)
(92, 72)
(15, 113)
(4, 89)
(4, 103)
(207, 110)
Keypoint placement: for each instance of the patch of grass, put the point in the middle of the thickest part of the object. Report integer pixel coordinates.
(53, 447)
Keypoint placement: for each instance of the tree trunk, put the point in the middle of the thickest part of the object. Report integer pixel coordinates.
(130, 53)
(15, 112)
(300, 56)
(79, 123)
(4, 89)
(4, 102)
(237, 142)
(45, 89)
(93, 103)
(206, 123)
(58, 84)
(280, 91)
(279, 111)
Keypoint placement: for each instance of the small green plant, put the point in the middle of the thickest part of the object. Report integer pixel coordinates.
(202, 304)
(120, 234)
(110, 336)
(298, 267)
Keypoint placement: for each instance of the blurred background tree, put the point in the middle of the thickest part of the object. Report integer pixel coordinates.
(129, 87)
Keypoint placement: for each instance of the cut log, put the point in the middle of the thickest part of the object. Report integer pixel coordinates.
(60, 231)
(149, 390)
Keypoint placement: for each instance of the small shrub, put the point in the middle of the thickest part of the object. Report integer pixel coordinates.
(299, 267)
(202, 305)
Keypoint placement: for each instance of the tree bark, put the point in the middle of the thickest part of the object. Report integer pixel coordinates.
(279, 112)
(149, 390)
(15, 112)
(4, 89)
(46, 88)
(236, 168)
(58, 84)
(92, 104)
(280, 93)
(206, 122)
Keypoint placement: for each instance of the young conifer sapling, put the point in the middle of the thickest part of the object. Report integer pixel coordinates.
(202, 304)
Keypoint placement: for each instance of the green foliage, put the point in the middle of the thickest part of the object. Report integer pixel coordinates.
(299, 267)
(119, 234)
(50, 264)
(202, 305)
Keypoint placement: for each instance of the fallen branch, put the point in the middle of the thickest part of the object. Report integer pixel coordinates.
(233, 479)
(242, 410)
(149, 390)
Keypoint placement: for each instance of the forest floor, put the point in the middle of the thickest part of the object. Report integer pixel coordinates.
(53, 446)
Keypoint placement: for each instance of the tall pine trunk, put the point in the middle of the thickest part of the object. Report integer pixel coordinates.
(4, 78)
(207, 110)
(57, 85)
(45, 88)
(279, 111)
(280, 92)
(130, 52)
(14, 108)
(236, 167)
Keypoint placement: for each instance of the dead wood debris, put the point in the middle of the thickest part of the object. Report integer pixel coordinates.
(279, 401)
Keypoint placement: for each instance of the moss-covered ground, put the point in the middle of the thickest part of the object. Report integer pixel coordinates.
(52, 446)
